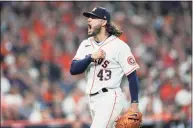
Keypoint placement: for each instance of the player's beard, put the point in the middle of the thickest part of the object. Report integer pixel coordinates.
(96, 30)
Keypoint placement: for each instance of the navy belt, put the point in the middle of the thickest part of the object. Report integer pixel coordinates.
(103, 90)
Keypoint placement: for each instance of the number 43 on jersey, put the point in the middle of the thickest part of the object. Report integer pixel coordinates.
(103, 74)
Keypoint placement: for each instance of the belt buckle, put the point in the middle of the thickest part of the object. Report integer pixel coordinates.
(99, 92)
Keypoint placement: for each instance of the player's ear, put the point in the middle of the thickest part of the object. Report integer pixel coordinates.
(104, 22)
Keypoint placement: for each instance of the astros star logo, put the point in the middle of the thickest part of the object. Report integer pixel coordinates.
(94, 9)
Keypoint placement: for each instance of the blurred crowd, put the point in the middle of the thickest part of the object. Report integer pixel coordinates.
(39, 40)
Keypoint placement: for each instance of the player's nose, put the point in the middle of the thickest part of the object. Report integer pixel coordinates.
(89, 19)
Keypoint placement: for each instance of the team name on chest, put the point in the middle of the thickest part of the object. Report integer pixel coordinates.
(104, 63)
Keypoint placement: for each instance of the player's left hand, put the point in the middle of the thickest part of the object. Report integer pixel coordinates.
(131, 118)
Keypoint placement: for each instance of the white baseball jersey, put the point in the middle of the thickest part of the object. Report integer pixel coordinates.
(107, 72)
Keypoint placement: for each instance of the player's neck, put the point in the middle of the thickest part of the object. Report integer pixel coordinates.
(101, 37)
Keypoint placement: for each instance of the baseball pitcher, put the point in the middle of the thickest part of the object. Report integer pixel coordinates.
(105, 59)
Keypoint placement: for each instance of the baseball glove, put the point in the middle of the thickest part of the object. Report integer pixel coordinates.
(129, 120)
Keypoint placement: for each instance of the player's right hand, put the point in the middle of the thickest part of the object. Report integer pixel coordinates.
(98, 54)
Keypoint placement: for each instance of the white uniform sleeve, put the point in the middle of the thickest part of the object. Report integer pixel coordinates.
(80, 52)
(127, 60)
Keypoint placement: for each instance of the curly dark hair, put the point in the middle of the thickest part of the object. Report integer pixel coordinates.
(112, 30)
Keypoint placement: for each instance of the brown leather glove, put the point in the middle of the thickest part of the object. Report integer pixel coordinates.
(129, 120)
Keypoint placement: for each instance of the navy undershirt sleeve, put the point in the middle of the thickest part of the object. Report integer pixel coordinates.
(133, 86)
(79, 66)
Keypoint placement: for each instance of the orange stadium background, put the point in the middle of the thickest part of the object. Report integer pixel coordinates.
(39, 39)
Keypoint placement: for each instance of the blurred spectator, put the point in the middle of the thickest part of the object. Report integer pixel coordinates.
(13, 97)
(5, 84)
(69, 105)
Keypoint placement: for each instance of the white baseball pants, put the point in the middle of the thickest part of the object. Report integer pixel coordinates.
(105, 108)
